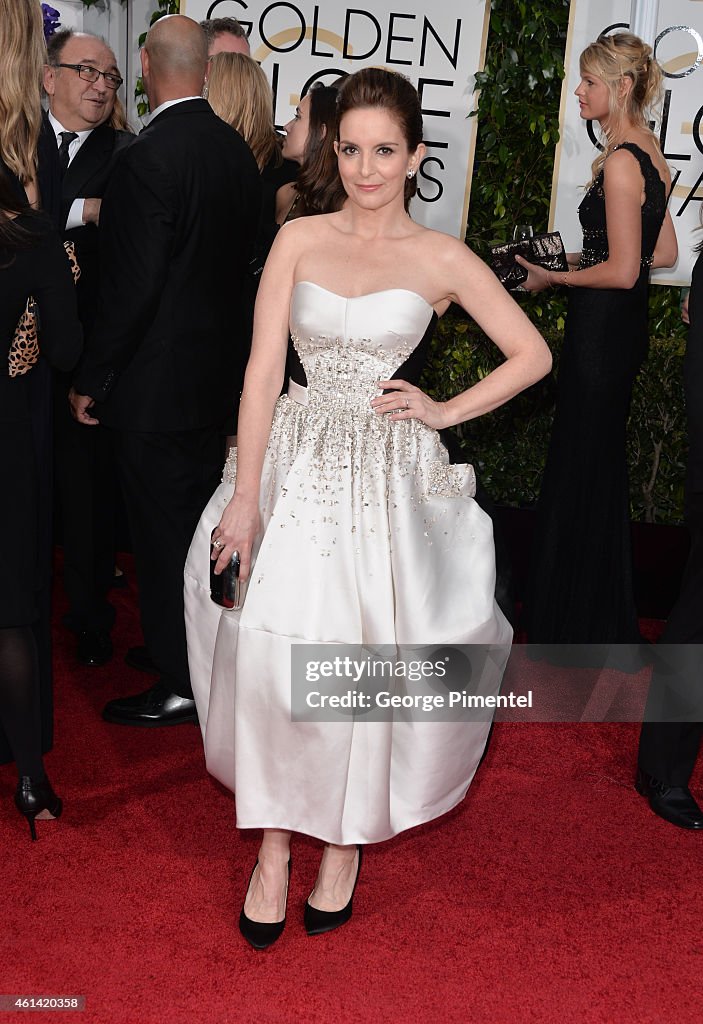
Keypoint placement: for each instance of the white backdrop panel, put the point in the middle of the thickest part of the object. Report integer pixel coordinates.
(679, 48)
(440, 50)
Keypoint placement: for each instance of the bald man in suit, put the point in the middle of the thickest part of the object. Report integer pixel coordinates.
(179, 222)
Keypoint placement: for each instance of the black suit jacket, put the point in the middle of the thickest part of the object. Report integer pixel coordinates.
(177, 225)
(693, 381)
(86, 178)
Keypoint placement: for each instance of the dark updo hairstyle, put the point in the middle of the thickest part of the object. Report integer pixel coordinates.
(318, 183)
(377, 87)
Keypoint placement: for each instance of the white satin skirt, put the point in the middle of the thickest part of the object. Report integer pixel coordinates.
(370, 537)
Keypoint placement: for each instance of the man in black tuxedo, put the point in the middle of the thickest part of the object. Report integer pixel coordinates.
(671, 737)
(81, 79)
(178, 222)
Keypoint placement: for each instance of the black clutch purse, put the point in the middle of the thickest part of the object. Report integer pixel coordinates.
(547, 250)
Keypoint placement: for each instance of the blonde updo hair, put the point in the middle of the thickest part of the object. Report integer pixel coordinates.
(612, 59)
(238, 91)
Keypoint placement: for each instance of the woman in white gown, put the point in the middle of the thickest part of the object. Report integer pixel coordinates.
(362, 532)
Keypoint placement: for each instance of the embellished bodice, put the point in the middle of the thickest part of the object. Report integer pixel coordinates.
(592, 212)
(346, 344)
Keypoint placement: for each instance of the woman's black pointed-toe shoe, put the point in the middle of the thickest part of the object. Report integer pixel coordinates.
(262, 934)
(319, 921)
(34, 799)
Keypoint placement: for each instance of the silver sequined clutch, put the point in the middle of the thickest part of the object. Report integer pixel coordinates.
(547, 250)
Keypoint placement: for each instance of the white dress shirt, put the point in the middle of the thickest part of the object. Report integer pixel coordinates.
(171, 103)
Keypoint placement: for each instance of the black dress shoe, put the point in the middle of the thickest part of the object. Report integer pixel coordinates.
(156, 706)
(139, 658)
(672, 803)
(262, 934)
(319, 921)
(94, 647)
(34, 799)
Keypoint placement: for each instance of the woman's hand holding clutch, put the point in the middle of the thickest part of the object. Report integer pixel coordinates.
(237, 530)
(538, 278)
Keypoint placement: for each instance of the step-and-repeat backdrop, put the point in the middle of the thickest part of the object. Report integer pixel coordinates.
(439, 50)
(300, 42)
(679, 49)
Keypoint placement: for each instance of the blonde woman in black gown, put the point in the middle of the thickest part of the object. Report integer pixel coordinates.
(582, 588)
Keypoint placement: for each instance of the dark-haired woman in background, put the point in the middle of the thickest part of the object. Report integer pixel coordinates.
(363, 532)
(309, 141)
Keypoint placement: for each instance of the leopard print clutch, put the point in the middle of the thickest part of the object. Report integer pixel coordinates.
(24, 349)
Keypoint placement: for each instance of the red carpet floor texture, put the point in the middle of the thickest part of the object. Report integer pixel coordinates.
(552, 894)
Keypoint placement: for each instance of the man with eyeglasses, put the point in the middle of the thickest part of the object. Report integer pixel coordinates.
(81, 80)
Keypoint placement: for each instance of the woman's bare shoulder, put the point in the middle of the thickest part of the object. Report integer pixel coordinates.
(624, 161)
(444, 248)
(315, 224)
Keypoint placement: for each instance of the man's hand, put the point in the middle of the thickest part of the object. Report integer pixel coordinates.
(79, 408)
(91, 211)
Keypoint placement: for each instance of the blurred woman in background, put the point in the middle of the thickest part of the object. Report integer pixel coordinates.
(32, 263)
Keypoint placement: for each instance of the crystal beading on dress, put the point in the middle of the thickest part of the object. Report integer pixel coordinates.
(344, 371)
(339, 428)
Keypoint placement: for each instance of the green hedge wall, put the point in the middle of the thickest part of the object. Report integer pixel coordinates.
(518, 129)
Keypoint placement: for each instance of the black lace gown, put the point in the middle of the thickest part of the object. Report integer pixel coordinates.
(581, 588)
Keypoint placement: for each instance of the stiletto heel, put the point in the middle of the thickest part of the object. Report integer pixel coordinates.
(35, 797)
(262, 934)
(319, 921)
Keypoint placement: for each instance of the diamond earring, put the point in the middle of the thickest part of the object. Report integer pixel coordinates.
(411, 173)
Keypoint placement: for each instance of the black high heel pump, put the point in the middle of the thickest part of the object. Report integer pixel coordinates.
(262, 934)
(319, 921)
(36, 799)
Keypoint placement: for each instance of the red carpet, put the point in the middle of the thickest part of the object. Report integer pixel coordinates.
(552, 894)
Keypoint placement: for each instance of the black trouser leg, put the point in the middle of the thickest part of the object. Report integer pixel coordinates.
(668, 749)
(85, 478)
(167, 480)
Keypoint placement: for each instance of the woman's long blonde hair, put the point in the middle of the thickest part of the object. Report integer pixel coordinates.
(118, 117)
(238, 91)
(23, 55)
(613, 59)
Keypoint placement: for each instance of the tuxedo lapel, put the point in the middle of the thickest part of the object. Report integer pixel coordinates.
(91, 158)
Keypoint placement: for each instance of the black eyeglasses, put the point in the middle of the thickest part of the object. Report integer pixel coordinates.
(89, 74)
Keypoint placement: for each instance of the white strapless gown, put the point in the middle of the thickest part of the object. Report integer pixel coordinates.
(370, 537)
